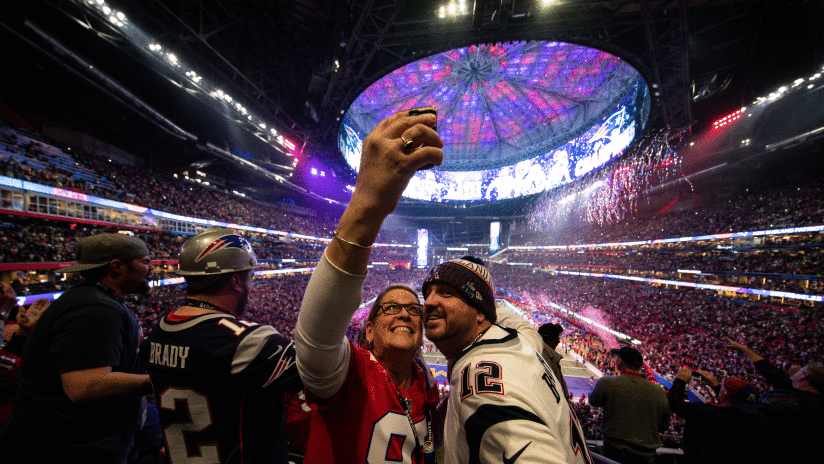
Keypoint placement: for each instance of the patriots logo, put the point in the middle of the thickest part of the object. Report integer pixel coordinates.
(226, 241)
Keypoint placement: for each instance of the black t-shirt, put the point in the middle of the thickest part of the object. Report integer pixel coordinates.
(87, 327)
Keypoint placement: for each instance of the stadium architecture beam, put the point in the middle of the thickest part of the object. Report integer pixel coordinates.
(668, 49)
(373, 25)
(209, 27)
(652, 35)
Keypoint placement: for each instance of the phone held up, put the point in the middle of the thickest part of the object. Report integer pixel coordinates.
(426, 110)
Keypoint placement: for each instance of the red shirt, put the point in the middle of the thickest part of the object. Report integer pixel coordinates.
(364, 421)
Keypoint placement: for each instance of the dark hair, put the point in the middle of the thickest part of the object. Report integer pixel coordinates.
(373, 311)
(95, 274)
(815, 375)
(209, 284)
(474, 259)
(361, 338)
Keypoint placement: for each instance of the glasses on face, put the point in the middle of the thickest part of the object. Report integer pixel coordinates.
(414, 309)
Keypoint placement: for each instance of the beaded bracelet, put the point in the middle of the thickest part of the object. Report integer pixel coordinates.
(356, 245)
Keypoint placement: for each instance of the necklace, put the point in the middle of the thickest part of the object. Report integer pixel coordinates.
(204, 305)
(478, 337)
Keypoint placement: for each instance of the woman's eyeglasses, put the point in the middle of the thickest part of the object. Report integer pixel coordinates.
(414, 309)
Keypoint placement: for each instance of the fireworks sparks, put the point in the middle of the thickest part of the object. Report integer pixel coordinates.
(611, 194)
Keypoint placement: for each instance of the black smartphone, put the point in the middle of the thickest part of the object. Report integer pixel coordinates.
(426, 110)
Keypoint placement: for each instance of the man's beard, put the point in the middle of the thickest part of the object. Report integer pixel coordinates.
(242, 306)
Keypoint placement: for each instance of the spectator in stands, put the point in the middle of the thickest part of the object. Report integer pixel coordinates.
(387, 365)
(731, 431)
(78, 398)
(8, 301)
(551, 334)
(25, 319)
(635, 410)
(510, 404)
(368, 398)
(227, 374)
(793, 409)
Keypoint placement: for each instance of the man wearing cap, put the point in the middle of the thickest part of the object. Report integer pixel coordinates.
(635, 410)
(551, 335)
(78, 397)
(219, 381)
(733, 430)
(793, 407)
(506, 404)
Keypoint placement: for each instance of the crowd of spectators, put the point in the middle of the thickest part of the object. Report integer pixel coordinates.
(24, 157)
(799, 255)
(675, 327)
(763, 209)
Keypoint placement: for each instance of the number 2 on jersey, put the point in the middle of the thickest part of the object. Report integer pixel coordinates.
(197, 407)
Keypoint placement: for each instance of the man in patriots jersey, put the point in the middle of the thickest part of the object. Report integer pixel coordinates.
(506, 405)
(219, 380)
(374, 404)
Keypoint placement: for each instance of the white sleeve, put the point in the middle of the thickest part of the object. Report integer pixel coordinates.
(323, 352)
(511, 320)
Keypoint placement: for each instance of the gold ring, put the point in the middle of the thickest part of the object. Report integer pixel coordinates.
(407, 144)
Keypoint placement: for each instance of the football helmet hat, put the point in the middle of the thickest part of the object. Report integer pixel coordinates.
(215, 251)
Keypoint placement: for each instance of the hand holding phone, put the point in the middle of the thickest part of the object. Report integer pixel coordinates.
(426, 110)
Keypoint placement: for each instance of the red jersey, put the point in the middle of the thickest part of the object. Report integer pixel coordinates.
(365, 422)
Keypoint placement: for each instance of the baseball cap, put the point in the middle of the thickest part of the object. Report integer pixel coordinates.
(629, 355)
(101, 249)
(550, 330)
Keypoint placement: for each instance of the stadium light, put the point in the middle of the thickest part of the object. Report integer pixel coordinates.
(728, 119)
(453, 9)
(140, 39)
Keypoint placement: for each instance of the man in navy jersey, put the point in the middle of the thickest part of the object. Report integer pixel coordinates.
(219, 380)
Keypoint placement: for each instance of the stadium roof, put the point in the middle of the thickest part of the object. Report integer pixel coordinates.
(297, 65)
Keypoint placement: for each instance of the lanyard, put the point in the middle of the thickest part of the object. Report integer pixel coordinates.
(428, 447)
(406, 403)
(108, 291)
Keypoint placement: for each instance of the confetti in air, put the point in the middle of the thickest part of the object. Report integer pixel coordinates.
(611, 194)
(601, 328)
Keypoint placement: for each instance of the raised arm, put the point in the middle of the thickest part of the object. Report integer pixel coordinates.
(752, 355)
(513, 321)
(334, 291)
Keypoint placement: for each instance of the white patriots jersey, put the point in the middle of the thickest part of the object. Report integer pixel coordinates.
(506, 406)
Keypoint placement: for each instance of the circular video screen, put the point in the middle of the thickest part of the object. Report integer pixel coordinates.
(516, 118)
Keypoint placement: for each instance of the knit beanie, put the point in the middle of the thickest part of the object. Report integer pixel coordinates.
(470, 279)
